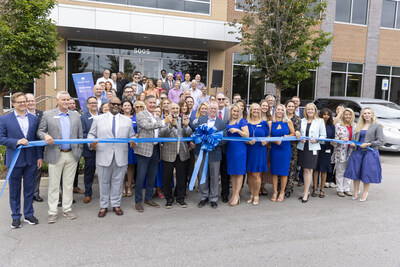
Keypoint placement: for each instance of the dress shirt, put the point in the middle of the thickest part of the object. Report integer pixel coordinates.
(23, 122)
(222, 113)
(185, 86)
(297, 112)
(202, 99)
(99, 102)
(174, 94)
(163, 79)
(154, 120)
(211, 122)
(199, 86)
(65, 126)
(102, 79)
(196, 95)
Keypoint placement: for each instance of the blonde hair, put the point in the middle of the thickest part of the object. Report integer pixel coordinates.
(138, 102)
(284, 118)
(240, 112)
(361, 121)
(342, 123)
(198, 109)
(268, 114)
(315, 109)
(249, 116)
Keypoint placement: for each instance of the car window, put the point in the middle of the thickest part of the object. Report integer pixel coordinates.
(354, 106)
(384, 110)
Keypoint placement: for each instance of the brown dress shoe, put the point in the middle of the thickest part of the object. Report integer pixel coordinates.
(86, 199)
(151, 203)
(340, 194)
(77, 190)
(118, 211)
(102, 213)
(139, 207)
(348, 193)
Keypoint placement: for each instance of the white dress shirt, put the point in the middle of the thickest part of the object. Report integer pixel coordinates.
(23, 122)
(211, 122)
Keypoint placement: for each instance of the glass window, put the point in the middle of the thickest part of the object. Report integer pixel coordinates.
(77, 63)
(197, 7)
(358, 68)
(360, 10)
(242, 3)
(239, 59)
(338, 84)
(240, 81)
(147, 3)
(288, 93)
(383, 70)
(378, 87)
(80, 46)
(343, 8)
(396, 71)
(395, 90)
(307, 87)
(193, 68)
(171, 4)
(338, 66)
(343, 80)
(388, 13)
(257, 85)
(354, 85)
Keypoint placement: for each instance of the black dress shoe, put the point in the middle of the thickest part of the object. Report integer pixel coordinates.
(225, 199)
(38, 199)
(202, 203)
(214, 205)
(287, 194)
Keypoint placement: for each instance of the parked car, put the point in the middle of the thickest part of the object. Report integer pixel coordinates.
(388, 114)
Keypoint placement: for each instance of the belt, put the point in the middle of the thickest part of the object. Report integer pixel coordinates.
(66, 150)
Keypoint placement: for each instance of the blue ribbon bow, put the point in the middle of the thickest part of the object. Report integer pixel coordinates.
(209, 138)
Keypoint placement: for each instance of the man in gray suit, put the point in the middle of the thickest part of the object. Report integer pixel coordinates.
(169, 83)
(61, 123)
(111, 159)
(175, 155)
(148, 154)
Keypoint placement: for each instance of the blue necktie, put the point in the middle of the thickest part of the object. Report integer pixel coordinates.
(113, 126)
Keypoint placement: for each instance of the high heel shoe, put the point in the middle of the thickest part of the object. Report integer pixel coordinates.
(281, 197)
(356, 197)
(235, 201)
(256, 200)
(363, 200)
(124, 192)
(305, 200)
(250, 199)
(273, 198)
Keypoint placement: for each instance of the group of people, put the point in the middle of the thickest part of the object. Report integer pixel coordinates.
(163, 169)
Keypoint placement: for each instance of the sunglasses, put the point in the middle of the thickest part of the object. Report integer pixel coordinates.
(220, 99)
(139, 107)
(115, 104)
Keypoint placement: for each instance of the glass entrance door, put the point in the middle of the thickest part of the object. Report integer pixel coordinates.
(148, 67)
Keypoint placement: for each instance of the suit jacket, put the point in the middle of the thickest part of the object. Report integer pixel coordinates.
(166, 86)
(226, 115)
(216, 154)
(169, 149)
(38, 114)
(317, 130)
(10, 133)
(87, 120)
(145, 129)
(374, 135)
(50, 124)
(102, 128)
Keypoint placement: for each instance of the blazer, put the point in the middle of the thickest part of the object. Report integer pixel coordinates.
(341, 151)
(374, 135)
(102, 128)
(38, 114)
(165, 85)
(216, 154)
(103, 100)
(317, 130)
(10, 133)
(145, 129)
(169, 149)
(87, 120)
(50, 124)
(226, 115)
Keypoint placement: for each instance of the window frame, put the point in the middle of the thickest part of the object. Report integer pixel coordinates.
(390, 76)
(346, 72)
(351, 15)
(396, 13)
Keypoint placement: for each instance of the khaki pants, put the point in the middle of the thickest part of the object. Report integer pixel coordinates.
(65, 166)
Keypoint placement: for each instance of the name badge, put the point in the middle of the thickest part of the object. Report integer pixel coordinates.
(56, 117)
(258, 125)
(328, 151)
(90, 118)
(315, 152)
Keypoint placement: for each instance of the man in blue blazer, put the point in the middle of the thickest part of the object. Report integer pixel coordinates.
(209, 190)
(18, 128)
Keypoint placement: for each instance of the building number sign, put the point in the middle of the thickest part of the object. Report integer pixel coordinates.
(141, 51)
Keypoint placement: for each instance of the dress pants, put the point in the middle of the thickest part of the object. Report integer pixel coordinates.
(209, 190)
(225, 178)
(190, 165)
(29, 174)
(76, 176)
(343, 184)
(146, 169)
(168, 177)
(65, 166)
(36, 191)
(90, 168)
(110, 184)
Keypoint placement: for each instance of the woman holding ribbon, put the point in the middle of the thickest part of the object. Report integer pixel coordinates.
(265, 176)
(344, 130)
(280, 152)
(236, 151)
(291, 114)
(324, 165)
(365, 165)
(256, 152)
(127, 109)
(313, 127)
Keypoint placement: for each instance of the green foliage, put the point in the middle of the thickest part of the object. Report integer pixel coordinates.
(28, 42)
(284, 38)
(3, 166)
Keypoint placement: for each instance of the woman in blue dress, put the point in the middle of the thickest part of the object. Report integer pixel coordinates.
(127, 110)
(256, 152)
(236, 151)
(365, 165)
(324, 165)
(280, 152)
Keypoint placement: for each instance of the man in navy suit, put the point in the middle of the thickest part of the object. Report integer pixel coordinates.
(209, 190)
(89, 155)
(18, 128)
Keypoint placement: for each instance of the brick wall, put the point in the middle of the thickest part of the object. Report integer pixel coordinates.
(389, 47)
(349, 43)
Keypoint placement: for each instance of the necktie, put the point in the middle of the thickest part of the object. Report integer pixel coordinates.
(220, 115)
(113, 126)
(170, 84)
(179, 127)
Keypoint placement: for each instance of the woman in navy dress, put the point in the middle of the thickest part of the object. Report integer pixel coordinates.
(365, 165)
(256, 152)
(324, 165)
(280, 152)
(236, 152)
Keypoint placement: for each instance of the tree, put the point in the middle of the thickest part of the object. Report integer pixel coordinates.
(283, 37)
(28, 42)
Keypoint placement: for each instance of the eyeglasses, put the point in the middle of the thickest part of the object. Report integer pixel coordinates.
(139, 106)
(136, 77)
(115, 104)
(162, 98)
(221, 99)
(92, 103)
(128, 92)
(21, 102)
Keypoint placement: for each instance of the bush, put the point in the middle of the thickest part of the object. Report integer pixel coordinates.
(3, 166)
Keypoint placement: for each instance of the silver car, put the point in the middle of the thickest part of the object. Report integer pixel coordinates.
(388, 114)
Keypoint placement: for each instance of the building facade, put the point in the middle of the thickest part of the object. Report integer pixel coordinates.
(193, 36)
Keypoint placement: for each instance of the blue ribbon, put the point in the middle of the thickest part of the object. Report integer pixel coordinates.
(204, 135)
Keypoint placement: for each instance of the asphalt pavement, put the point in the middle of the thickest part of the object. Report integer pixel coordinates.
(332, 231)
